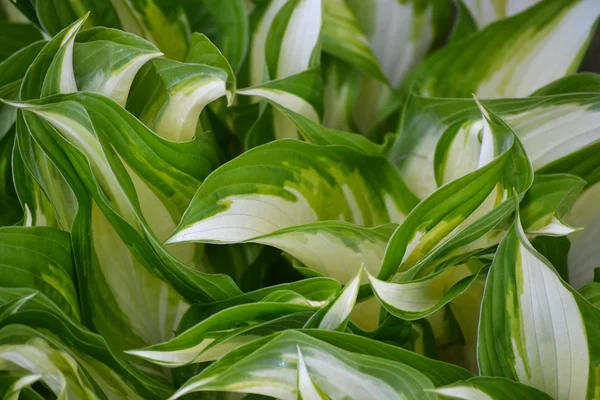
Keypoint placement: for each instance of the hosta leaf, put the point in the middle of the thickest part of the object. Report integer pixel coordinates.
(464, 24)
(547, 202)
(489, 388)
(169, 96)
(164, 23)
(400, 34)
(38, 318)
(550, 126)
(420, 297)
(12, 71)
(56, 369)
(11, 211)
(11, 387)
(261, 18)
(14, 37)
(106, 61)
(307, 390)
(505, 59)
(203, 51)
(333, 248)
(317, 290)
(591, 292)
(336, 314)
(226, 24)
(84, 124)
(292, 43)
(224, 331)
(475, 203)
(269, 367)
(341, 83)
(583, 255)
(40, 258)
(487, 11)
(318, 134)
(308, 178)
(343, 38)
(540, 335)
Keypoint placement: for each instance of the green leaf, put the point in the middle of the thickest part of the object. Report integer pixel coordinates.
(38, 319)
(203, 51)
(40, 258)
(336, 314)
(486, 12)
(490, 388)
(14, 37)
(292, 43)
(539, 335)
(343, 38)
(169, 96)
(464, 24)
(226, 24)
(307, 390)
(106, 61)
(225, 331)
(505, 59)
(301, 93)
(465, 209)
(547, 202)
(550, 127)
(269, 367)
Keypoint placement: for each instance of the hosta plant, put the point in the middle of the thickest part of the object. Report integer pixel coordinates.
(316, 199)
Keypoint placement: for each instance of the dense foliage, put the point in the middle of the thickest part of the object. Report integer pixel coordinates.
(186, 213)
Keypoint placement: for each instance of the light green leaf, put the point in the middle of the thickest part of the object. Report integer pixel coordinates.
(401, 32)
(261, 18)
(418, 298)
(283, 209)
(539, 335)
(12, 71)
(363, 188)
(341, 83)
